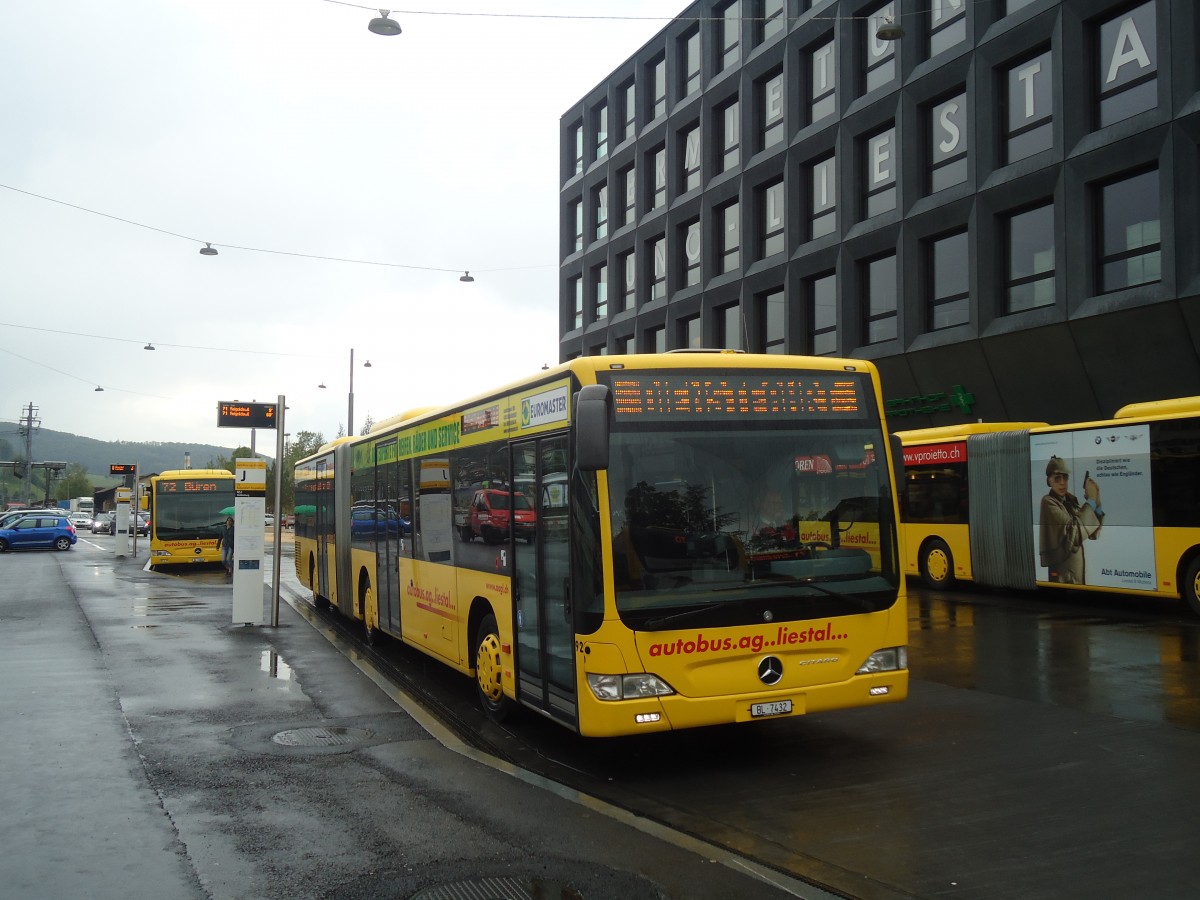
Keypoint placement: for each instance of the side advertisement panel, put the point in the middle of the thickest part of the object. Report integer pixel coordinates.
(1091, 502)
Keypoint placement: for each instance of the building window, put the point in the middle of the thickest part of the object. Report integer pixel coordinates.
(729, 116)
(576, 212)
(729, 327)
(658, 271)
(628, 264)
(600, 200)
(1029, 108)
(881, 292)
(627, 345)
(691, 159)
(1029, 282)
(656, 340)
(823, 220)
(1128, 64)
(773, 206)
(822, 101)
(730, 222)
(948, 129)
(691, 253)
(1130, 248)
(577, 140)
(690, 51)
(600, 277)
(947, 24)
(880, 56)
(879, 185)
(770, 106)
(822, 314)
(629, 102)
(768, 19)
(658, 83)
(627, 178)
(771, 310)
(731, 33)
(949, 281)
(658, 160)
(577, 298)
(691, 335)
(600, 123)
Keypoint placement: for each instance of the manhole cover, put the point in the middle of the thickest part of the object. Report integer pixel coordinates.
(500, 889)
(335, 736)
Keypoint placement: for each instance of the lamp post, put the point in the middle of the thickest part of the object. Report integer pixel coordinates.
(350, 405)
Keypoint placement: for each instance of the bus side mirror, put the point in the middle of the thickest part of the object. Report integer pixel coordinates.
(591, 427)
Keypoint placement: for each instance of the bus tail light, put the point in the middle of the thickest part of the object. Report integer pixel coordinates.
(890, 659)
(628, 687)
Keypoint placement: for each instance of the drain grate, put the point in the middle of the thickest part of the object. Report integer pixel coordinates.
(335, 736)
(500, 889)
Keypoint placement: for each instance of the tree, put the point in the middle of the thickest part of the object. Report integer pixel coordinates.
(75, 483)
(229, 462)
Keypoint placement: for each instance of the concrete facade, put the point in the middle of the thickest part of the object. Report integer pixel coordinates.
(993, 207)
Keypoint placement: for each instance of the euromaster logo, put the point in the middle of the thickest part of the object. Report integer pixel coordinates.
(545, 408)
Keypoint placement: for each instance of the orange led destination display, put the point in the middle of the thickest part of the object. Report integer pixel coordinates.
(662, 396)
(245, 415)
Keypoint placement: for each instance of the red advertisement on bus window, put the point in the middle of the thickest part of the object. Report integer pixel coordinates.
(936, 454)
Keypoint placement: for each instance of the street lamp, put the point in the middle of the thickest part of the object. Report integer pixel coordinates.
(350, 406)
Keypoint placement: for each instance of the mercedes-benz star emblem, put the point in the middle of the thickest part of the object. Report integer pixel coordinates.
(770, 670)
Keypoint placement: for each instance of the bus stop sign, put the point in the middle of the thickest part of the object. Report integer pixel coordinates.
(236, 414)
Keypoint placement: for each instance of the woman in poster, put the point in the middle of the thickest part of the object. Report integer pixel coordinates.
(1064, 524)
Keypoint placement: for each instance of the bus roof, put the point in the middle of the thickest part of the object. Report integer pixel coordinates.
(959, 432)
(192, 473)
(1179, 406)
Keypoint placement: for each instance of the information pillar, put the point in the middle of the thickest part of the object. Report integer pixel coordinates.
(249, 520)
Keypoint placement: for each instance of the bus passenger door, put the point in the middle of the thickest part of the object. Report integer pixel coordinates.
(544, 628)
(323, 525)
(387, 537)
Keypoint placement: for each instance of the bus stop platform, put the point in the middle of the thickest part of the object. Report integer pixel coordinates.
(154, 749)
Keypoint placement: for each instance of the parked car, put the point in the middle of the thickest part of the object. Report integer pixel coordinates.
(38, 530)
(103, 523)
(13, 514)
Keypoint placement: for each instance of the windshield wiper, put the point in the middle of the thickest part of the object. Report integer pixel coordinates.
(695, 610)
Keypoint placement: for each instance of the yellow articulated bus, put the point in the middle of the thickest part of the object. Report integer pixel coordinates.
(629, 544)
(1105, 506)
(187, 507)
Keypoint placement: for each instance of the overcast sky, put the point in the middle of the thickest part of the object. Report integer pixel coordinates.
(282, 125)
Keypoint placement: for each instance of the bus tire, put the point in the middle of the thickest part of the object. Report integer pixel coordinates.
(489, 669)
(937, 564)
(1190, 585)
(318, 601)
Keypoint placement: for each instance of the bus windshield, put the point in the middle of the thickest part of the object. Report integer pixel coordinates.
(739, 523)
(184, 516)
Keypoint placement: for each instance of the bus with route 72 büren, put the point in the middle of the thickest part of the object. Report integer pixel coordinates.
(187, 507)
(625, 543)
(1097, 506)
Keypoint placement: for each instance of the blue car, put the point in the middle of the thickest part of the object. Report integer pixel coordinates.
(38, 530)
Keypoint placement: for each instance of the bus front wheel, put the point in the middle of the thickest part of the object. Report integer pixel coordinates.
(937, 564)
(1191, 586)
(488, 670)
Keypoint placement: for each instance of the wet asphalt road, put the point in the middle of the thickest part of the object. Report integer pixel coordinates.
(1047, 750)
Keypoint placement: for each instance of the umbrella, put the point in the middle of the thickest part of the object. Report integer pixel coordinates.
(227, 511)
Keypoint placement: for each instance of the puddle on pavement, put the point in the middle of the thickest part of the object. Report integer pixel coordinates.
(272, 663)
(164, 605)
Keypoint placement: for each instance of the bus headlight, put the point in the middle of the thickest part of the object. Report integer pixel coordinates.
(890, 659)
(628, 687)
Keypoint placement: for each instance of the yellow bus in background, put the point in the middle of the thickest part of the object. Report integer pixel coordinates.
(187, 507)
(1110, 505)
(643, 593)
